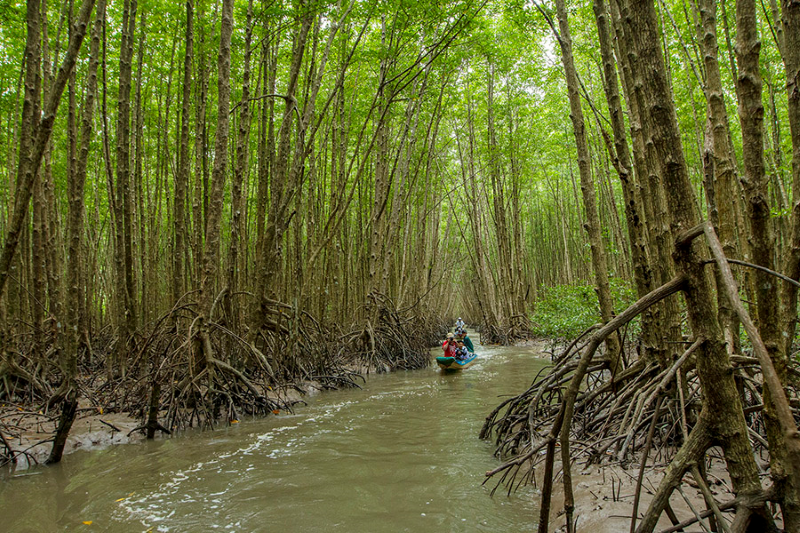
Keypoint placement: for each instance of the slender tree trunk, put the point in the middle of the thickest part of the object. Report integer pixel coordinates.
(35, 133)
(755, 183)
(383, 175)
(182, 175)
(76, 180)
(47, 256)
(142, 303)
(790, 11)
(266, 150)
(218, 174)
(517, 254)
(75, 221)
(645, 163)
(405, 154)
(240, 174)
(281, 186)
(39, 285)
(216, 195)
(483, 284)
(199, 207)
(643, 275)
(724, 190)
(126, 317)
(599, 258)
(505, 273)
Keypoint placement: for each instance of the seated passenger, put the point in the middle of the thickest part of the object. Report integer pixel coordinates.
(461, 351)
(467, 340)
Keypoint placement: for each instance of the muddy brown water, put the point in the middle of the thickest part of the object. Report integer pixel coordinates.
(401, 455)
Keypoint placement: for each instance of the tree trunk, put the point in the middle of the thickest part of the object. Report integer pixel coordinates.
(599, 259)
(651, 196)
(35, 132)
(266, 150)
(790, 11)
(182, 175)
(505, 273)
(199, 198)
(637, 231)
(75, 220)
(213, 230)
(789, 39)
(724, 190)
(126, 289)
(281, 187)
(383, 175)
(722, 406)
(755, 184)
(239, 175)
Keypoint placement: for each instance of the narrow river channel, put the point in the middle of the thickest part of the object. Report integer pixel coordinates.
(402, 454)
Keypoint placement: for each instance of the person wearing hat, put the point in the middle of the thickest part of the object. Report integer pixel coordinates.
(460, 323)
(449, 346)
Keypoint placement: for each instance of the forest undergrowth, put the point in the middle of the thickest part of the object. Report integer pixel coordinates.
(169, 385)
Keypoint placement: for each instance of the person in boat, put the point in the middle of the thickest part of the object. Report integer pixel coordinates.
(467, 341)
(462, 353)
(460, 323)
(449, 346)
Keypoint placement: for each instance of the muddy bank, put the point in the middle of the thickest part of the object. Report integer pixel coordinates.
(604, 488)
(604, 496)
(168, 385)
(30, 433)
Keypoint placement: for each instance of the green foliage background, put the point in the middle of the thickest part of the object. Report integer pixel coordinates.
(564, 311)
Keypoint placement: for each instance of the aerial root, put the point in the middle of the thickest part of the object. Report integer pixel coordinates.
(184, 370)
(8, 456)
(518, 328)
(607, 422)
(390, 340)
(574, 406)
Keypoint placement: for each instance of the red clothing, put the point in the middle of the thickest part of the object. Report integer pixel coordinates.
(449, 349)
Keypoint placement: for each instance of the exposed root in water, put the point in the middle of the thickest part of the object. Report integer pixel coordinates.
(8, 455)
(183, 373)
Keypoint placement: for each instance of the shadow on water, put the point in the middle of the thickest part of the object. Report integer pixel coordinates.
(401, 455)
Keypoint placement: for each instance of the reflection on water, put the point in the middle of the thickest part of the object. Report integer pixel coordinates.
(401, 455)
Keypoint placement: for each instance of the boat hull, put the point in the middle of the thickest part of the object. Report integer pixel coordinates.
(450, 363)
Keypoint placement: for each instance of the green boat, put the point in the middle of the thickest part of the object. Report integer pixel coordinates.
(451, 363)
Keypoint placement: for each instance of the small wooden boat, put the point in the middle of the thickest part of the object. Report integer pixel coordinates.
(451, 363)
